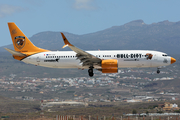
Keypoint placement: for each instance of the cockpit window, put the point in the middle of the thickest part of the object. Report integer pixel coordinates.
(164, 55)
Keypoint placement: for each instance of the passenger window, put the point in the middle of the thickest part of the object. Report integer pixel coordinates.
(118, 55)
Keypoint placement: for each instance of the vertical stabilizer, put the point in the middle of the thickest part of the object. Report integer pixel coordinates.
(21, 42)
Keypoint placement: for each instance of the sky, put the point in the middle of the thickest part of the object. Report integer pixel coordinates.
(81, 16)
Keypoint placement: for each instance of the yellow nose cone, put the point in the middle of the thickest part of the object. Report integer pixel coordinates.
(173, 60)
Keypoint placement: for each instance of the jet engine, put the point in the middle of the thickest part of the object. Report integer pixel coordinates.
(109, 66)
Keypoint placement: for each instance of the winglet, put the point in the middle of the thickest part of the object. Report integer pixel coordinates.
(66, 42)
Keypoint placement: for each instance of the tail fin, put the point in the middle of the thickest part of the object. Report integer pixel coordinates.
(21, 42)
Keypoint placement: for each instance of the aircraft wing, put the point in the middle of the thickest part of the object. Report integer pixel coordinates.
(86, 58)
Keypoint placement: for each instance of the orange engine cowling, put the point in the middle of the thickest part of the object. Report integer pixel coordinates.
(109, 66)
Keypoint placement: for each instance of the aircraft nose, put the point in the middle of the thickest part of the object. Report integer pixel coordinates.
(173, 60)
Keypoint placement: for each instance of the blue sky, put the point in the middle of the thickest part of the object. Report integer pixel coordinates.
(81, 16)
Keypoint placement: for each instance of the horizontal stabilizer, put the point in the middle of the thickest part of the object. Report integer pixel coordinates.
(15, 53)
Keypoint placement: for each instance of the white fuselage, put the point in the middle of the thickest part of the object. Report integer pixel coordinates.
(126, 58)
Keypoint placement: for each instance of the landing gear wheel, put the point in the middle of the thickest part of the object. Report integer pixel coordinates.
(91, 74)
(158, 71)
(90, 71)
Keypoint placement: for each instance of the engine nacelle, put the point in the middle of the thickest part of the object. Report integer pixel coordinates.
(109, 66)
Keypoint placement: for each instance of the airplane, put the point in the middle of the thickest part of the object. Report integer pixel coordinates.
(106, 61)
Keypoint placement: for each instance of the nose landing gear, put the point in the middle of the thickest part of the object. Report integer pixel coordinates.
(158, 71)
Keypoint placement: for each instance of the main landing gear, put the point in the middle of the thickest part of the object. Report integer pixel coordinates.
(90, 71)
(158, 71)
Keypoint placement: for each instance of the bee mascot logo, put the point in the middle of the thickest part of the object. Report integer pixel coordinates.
(19, 42)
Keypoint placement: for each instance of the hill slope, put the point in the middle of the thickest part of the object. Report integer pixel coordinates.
(163, 36)
(17, 106)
